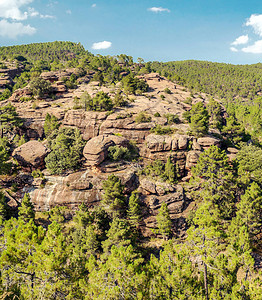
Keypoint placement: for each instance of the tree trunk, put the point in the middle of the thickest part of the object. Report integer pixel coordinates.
(205, 280)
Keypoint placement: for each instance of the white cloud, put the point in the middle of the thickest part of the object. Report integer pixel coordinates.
(11, 9)
(256, 22)
(158, 9)
(243, 39)
(14, 29)
(34, 13)
(101, 45)
(233, 49)
(256, 48)
(93, 5)
(69, 12)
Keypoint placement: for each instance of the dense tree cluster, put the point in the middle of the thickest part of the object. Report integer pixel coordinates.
(99, 253)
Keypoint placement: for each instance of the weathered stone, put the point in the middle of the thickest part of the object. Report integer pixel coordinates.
(96, 149)
(31, 154)
(127, 128)
(148, 185)
(182, 142)
(232, 150)
(208, 141)
(158, 143)
(192, 158)
(196, 146)
(19, 93)
(175, 201)
(163, 188)
(87, 122)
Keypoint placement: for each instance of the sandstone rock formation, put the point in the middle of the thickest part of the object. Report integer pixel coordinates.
(95, 150)
(31, 155)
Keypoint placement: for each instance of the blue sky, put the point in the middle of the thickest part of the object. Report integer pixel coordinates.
(216, 30)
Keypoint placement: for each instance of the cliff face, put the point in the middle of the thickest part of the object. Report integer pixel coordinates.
(101, 130)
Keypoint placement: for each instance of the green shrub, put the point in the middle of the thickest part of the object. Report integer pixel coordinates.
(5, 94)
(101, 102)
(39, 87)
(188, 100)
(167, 91)
(160, 170)
(118, 153)
(142, 118)
(171, 119)
(161, 130)
(51, 124)
(157, 115)
(133, 85)
(66, 146)
(37, 174)
(119, 100)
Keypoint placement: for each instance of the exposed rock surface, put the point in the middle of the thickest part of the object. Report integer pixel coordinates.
(31, 155)
(208, 141)
(101, 130)
(74, 189)
(95, 150)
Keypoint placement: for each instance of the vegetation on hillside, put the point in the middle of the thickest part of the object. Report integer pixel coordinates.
(100, 252)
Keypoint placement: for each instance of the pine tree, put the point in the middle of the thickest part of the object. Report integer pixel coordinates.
(215, 112)
(18, 264)
(170, 171)
(119, 234)
(134, 211)
(51, 124)
(113, 198)
(164, 222)
(249, 209)
(216, 180)
(204, 239)
(118, 276)
(199, 119)
(26, 210)
(172, 275)
(3, 208)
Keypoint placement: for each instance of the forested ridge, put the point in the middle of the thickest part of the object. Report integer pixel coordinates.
(168, 173)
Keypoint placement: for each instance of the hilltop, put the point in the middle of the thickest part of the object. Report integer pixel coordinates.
(149, 169)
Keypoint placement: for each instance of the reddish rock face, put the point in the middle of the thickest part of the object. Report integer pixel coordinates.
(95, 150)
(208, 141)
(75, 189)
(31, 155)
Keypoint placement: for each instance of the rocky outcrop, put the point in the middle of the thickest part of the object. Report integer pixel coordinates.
(208, 141)
(19, 93)
(96, 149)
(159, 143)
(149, 187)
(192, 158)
(127, 127)
(31, 155)
(88, 122)
(175, 201)
(75, 189)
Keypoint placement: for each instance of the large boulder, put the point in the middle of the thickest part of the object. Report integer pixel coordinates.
(158, 143)
(31, 155)
(192, 158)
(208, 141)
(96, 149)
